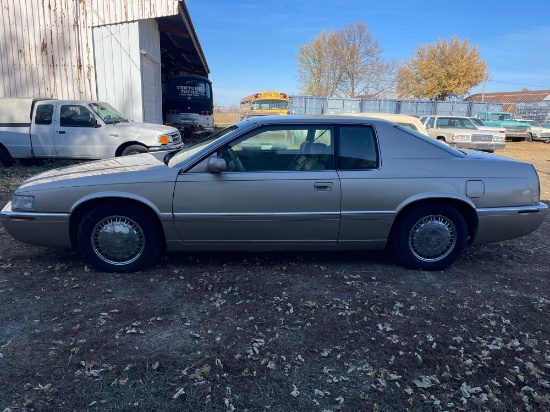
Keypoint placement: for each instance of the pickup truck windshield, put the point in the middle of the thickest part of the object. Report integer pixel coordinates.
(500, 116)
(108, 113)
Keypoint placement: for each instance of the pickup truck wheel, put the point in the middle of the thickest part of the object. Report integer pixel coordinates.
(430, 237)
(118, 239)
(5, 158)
(134, 149)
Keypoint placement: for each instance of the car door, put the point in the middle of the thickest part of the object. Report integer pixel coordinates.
(77, 134)
(42, 131)
(280, 188)
(366, 216)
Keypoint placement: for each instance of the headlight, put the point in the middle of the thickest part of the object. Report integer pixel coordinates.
(22, 203)
(163, 139)
(461, 137)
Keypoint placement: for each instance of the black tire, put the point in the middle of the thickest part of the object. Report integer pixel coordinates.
(119, 238)
(430, 237)
(529, 138)
(134, 149)
(5, 158)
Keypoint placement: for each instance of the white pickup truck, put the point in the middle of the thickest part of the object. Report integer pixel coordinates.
(75, 129)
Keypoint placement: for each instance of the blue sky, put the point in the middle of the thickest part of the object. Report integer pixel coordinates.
(250, 46)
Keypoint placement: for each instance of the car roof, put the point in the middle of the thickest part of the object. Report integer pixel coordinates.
(328, 119)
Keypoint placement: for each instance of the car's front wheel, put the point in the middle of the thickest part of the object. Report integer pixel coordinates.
(134, 149)
(529, 137)
(118, 238)
(430, 237)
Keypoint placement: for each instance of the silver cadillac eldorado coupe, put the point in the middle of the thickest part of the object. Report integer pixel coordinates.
(283, 183)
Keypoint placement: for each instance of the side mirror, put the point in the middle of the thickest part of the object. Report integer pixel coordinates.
(216, 165)
(429, 126)
(94, 122)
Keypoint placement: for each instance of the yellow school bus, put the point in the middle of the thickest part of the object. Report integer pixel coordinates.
(265, 103)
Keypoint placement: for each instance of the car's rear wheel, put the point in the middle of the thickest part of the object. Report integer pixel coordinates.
(529, 137)
(430, 237)
(5, 158)
(119, 238)
(134, 149)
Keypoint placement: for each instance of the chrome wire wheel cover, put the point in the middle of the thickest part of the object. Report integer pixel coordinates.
(118, 240)
(432, 238)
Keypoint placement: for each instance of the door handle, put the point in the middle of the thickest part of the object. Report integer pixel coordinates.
(322, 186)
(61, 131)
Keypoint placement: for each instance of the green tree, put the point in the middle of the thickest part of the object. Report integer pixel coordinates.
(346, 62)
(448, 69)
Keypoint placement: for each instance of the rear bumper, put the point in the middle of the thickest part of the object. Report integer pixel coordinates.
(497, 224)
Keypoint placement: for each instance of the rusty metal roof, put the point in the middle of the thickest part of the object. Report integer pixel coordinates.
(510, 98)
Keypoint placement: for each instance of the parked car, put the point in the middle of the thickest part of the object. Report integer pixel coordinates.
(75, 129)
(538, 132)
(514, 130)
(461, 132)
(480, 124)
(283, 183)
(410, 122)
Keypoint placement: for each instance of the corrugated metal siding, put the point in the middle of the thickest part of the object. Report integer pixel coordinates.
(46, 46)
(117, 67)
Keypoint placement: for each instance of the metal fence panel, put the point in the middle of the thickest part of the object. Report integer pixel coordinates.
(302, 105)
(533, 110)
(335, 105)
(416, 107)
(378, 106)
(477, 107)
(453, 108)
(352, 105)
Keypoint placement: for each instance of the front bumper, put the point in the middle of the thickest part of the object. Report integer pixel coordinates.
(44, 229)
(503, 223)
(484, 146)
(517, 135)
(166, 148)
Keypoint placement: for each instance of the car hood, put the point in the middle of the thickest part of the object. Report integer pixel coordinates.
(134, 169)
(142, 128)
(512, 123)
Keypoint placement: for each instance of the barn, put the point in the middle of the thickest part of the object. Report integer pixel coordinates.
(118, 51)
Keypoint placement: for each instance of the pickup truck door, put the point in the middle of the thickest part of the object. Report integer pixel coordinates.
(42, 130)
(77, 134)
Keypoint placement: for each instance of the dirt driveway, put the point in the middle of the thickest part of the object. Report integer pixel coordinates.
(278, 332)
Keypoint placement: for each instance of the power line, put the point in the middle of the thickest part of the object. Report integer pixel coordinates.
(519, 84)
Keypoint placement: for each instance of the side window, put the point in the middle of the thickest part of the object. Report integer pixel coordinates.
(443, 122)
(44, 114)
(357, 148)
(430, 122)
(281, 148)
(75, 116)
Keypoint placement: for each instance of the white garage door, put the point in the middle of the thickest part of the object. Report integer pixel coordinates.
(151, 108)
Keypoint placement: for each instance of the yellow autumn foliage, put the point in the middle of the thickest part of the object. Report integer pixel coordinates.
(440, 71)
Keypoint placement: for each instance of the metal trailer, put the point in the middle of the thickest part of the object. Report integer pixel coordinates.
(416, 107)
(306, 105)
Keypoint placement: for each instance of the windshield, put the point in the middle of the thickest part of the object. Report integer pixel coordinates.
(500, 116)
(477, 121)
(531, 122)
(108, 113)
(190, 151)
(270, 104)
